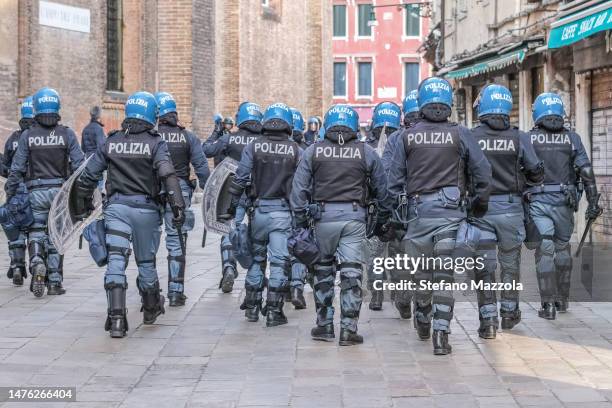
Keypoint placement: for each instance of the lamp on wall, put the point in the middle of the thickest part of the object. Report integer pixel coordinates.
(424, 10)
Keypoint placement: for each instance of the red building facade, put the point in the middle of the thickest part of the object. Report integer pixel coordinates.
(375, 52)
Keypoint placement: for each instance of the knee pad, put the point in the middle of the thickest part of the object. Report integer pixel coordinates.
(547, 246)
(17, 252)
(120, 251)
(444, 243)
(189, 220)
(177, 262)
(350, 286)
(443, 307)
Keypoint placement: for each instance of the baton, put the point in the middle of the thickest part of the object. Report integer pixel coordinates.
(204, 238)
(586, 231)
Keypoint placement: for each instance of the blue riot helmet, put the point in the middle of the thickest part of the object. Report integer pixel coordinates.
(298, 120)
(165, 103)
(386, 114)
(248, 112)
(341, 115)
(410, 107)
(278, 117)
(435, 97)
(46, 100)
(494, 100)
(27, 110)
(142, 105)
(411, 102)
(548, 111)
(218, 118)
(494, 105)
(313, 124)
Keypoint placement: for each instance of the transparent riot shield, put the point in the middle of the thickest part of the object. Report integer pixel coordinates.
(64, 229)
(216, 198)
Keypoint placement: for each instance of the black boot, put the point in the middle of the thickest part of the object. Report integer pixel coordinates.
(561, 305)
(488, 328)
(116, 321)
(323, 333)
(176, 264)
(297, 298)
(152, 304)
(510, 319)
(55, 288)
(252, 304)
(176, 299)
(19, 273)
(423, 329)
(9, 273)
(548, 311)
(349, 338)
(39, 277)
(404, 309)
(227, 281)
(440, 343)
(274, 307)
(376, 300)
(38, 268)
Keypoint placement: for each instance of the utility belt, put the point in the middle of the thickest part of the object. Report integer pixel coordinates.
(450, 197)
(505, 198)
(571, 192)
(550, 188)
(44, 183)
(330, 206)
(261, 202)
(135, 200)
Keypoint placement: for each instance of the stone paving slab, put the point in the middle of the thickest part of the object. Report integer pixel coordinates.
(206, 355)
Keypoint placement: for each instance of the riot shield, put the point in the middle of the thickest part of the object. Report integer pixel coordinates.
(64, 229)
(2, 193)
(217, 198)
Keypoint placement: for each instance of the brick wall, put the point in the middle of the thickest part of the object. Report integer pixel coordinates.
(8, 67)
(203, 66)
(277, 53)
(601, 92)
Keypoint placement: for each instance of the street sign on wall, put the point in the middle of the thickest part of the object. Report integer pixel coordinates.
(65, 17)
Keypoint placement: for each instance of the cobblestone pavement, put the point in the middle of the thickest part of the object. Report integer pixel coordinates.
(206, 355)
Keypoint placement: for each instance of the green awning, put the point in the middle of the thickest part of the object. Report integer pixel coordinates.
(492, 64)
(581, 25)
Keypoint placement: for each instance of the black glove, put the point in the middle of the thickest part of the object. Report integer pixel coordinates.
(593, 210)
(82, 200)
(178, 217)
(301, 220)
(478, 208)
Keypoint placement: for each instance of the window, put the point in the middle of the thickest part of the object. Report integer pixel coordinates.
(411, 77)
(339, 20)
(265, 3)
(363, 28)
(339, 78)
(364, 78)
(114, 45)
(413, 20)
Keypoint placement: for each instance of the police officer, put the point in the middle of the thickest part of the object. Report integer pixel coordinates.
(136, 159)
(299, 271)
(217, 132)
(338, 175)
(552, 203)
(228, 124)
(298, 129)
(185, 150)
(312, 134)
(17, 270)
(248, 119)
(431, 164)
(502, 229)
(46, 155)
(93, 134)
(269, 164)
(402, 299)
(386, 117)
